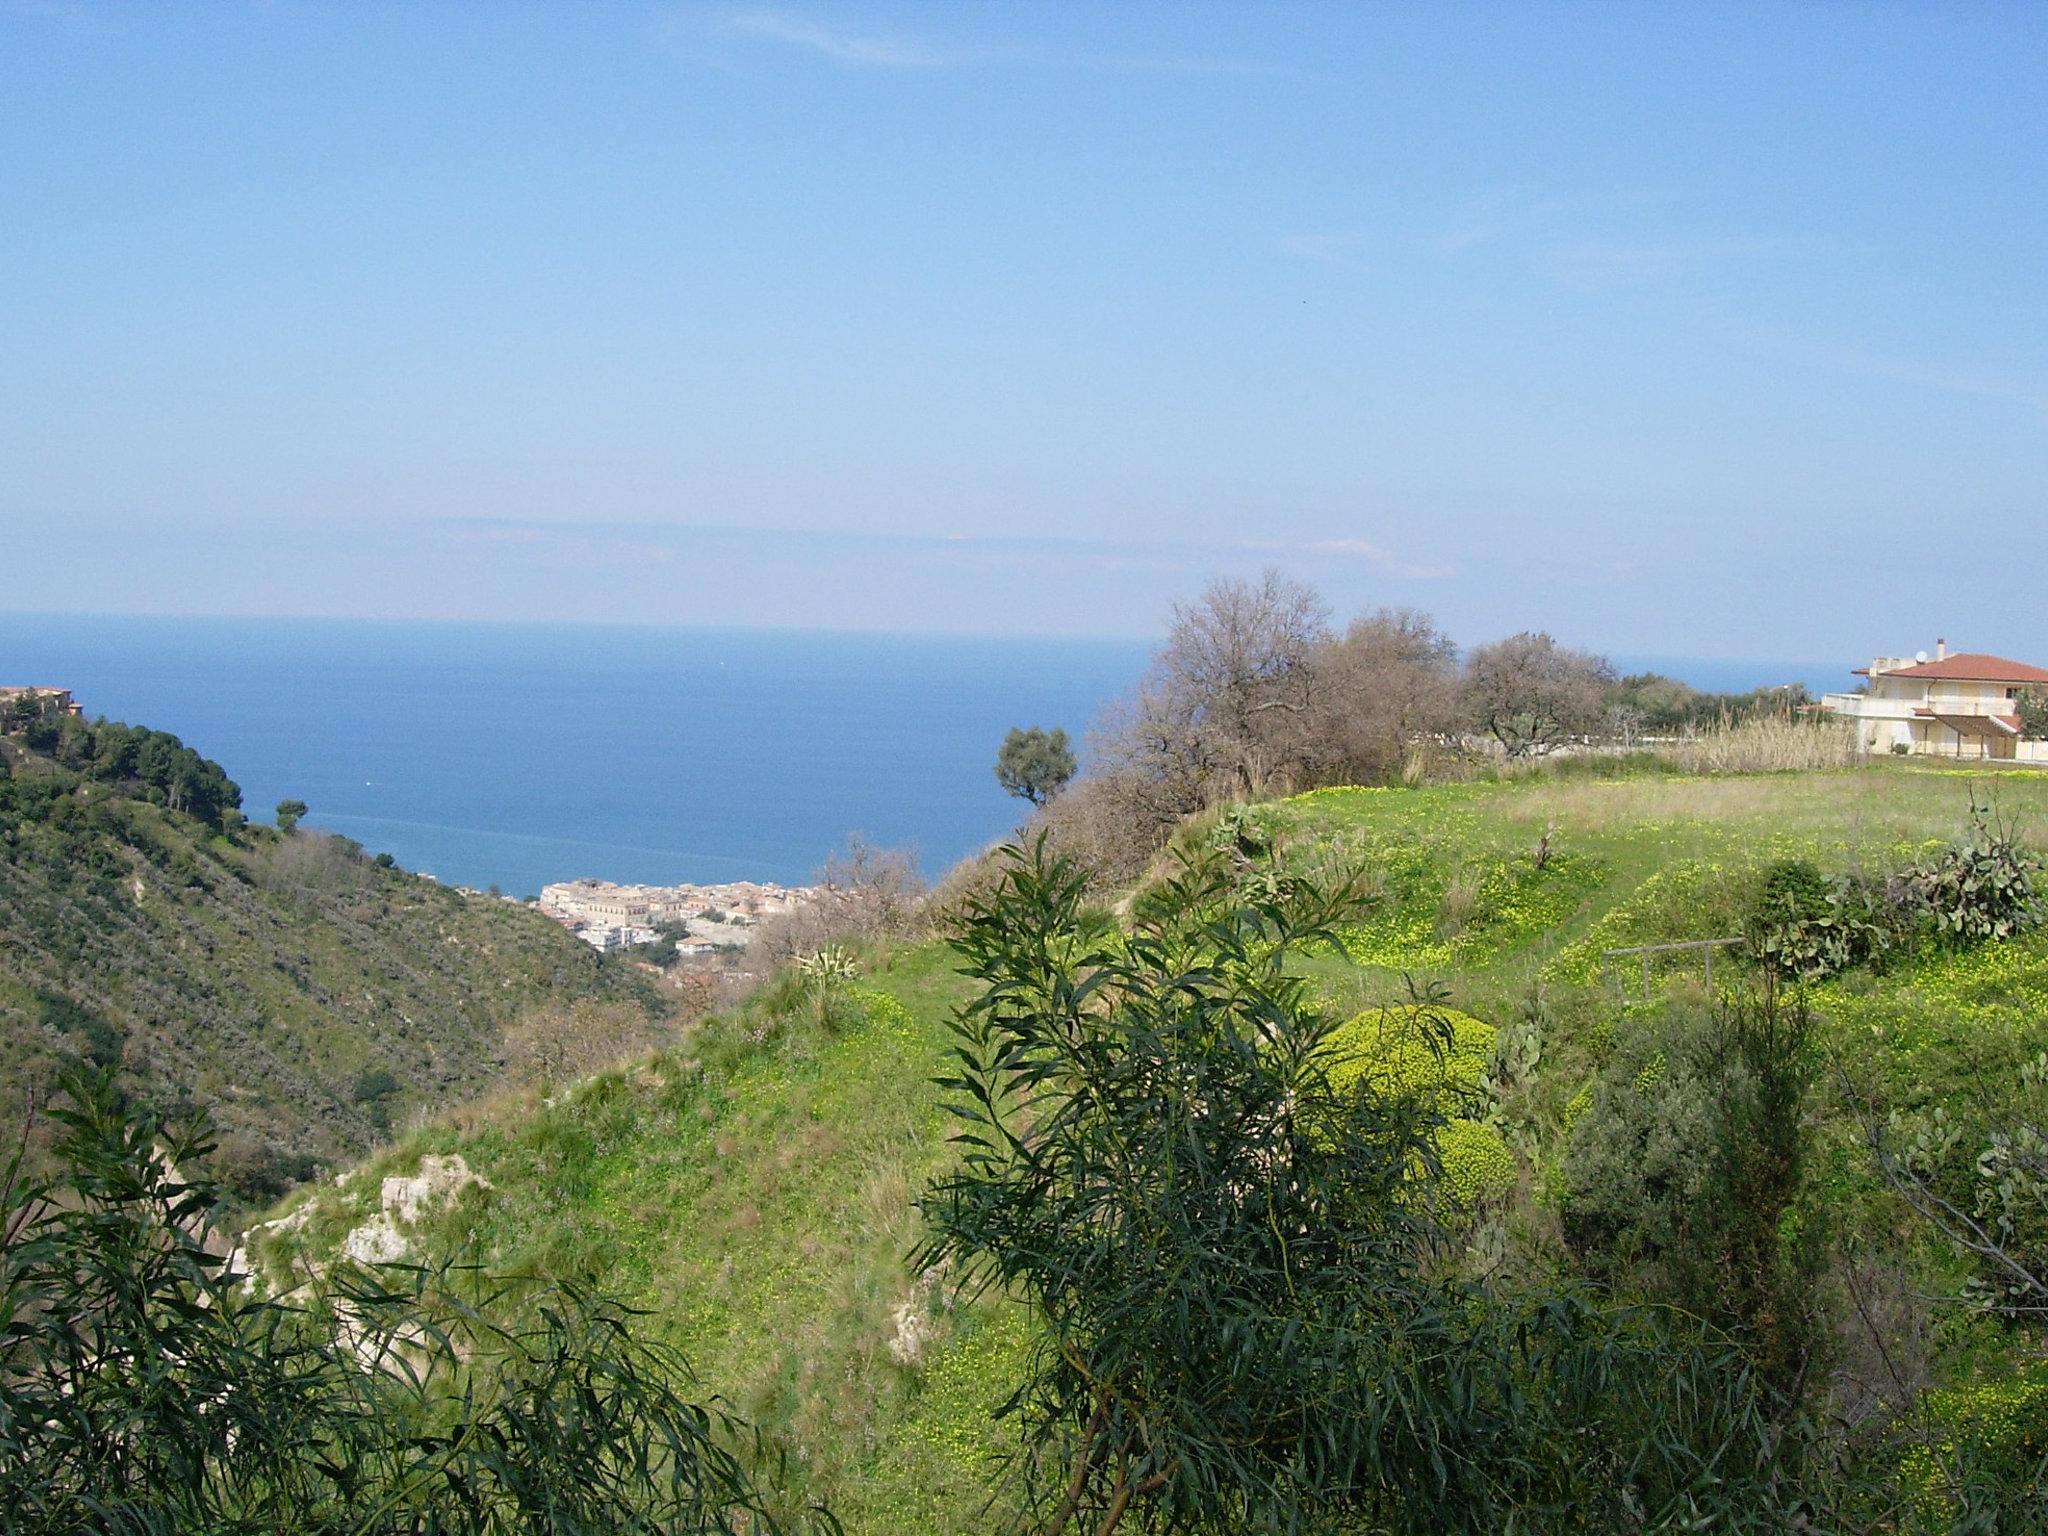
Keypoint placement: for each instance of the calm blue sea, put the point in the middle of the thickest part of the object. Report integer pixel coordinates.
(515, 754)
(520, 754)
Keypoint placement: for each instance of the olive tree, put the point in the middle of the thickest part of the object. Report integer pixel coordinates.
(1035, 764)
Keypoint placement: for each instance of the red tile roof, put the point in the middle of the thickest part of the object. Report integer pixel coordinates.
(1974, 667)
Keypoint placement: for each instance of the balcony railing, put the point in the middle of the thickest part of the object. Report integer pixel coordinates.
(1863, 706)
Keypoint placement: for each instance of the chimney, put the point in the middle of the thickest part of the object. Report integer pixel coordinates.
(1941, 650)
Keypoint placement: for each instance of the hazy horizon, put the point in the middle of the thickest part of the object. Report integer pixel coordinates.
(518, 753)
(1727, 672)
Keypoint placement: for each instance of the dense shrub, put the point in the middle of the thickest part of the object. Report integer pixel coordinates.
(1439, 1058)
(1980, 1458)
(1635, 1164)
(1788, 925)
(1804, 925)
(1235, 1323)
(1683, 1174)
(1978, 1169)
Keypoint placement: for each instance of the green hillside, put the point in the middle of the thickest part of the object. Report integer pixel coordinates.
(753, 1188)
(273, 979)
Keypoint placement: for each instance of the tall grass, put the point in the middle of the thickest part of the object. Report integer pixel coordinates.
(1766, 744)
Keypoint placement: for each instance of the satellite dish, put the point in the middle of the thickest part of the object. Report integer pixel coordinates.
(1920, 657)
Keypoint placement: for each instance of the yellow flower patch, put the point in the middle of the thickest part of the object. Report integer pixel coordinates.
(1435, 1056)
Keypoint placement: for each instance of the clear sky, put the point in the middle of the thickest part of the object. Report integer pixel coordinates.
(1711, 330)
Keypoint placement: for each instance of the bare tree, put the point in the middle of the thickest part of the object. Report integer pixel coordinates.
(553, 1042)
(862, 891)
(1389, 680)
(1532, 694)
(1625, 724)
(1235, 667)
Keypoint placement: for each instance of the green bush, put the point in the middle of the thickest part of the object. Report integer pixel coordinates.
(1439, 1058)
(1425, 1051)
(1639, 1140)
(1235, 1323)
(1683, 1178)
(1983, 1452)
(1791, 925)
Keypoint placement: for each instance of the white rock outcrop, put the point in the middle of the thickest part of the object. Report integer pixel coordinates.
(402, 1200)
(911, 1326)
(376, 1241)
(434, 1187)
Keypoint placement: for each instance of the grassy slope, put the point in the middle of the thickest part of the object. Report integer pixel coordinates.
(258, 975)
(754, 1190)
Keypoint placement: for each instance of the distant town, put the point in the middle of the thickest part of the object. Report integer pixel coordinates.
(707, 919)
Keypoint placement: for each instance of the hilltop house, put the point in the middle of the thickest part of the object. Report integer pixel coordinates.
(20, 705)
(1962, 705)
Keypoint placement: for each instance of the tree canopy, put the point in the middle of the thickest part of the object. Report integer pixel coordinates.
(146, 764)
(1035, 764)
(1532, 694)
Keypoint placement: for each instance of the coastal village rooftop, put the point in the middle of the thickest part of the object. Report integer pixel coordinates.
(612, 916)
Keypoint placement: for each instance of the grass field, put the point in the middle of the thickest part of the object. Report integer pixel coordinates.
(754, 1192)
(754, 1188)
(1629, 861)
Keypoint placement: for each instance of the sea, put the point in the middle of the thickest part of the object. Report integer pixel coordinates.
(514, 755)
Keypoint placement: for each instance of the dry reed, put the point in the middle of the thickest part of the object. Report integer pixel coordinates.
(1766, 744)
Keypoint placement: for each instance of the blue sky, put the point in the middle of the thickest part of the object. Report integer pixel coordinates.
(1712, 330)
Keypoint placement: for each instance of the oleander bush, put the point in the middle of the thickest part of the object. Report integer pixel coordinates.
(1226, 1269)
(143, 1387)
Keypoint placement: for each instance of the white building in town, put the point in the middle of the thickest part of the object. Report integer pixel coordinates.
(606, 937)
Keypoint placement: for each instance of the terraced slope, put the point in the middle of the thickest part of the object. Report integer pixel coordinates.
(1509, 885)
